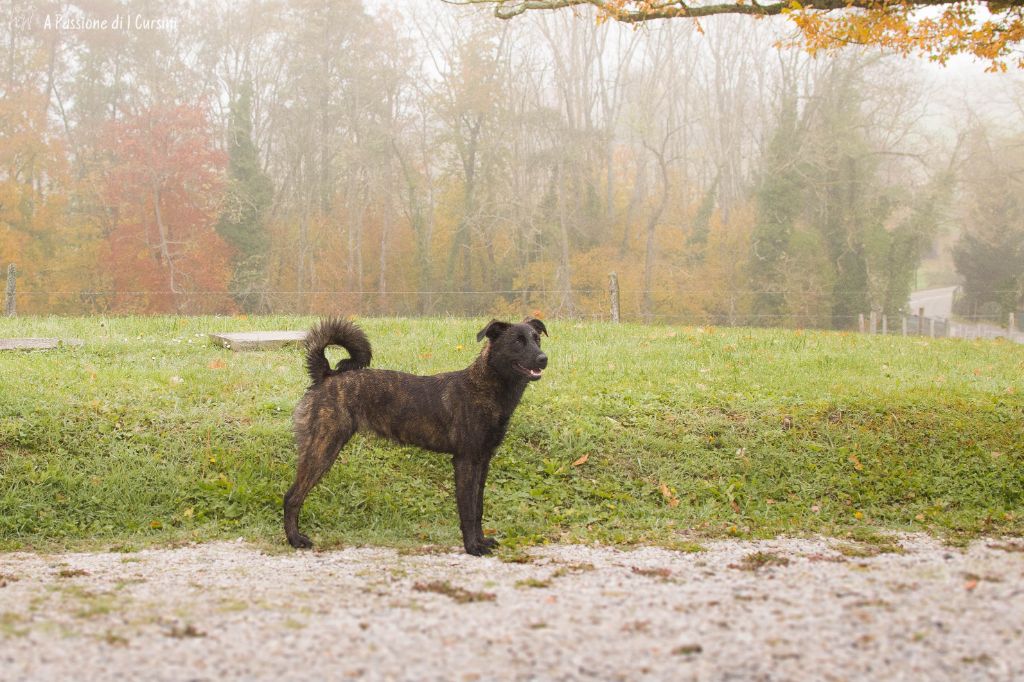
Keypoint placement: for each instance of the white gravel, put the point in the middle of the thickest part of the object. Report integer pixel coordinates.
(229, 611)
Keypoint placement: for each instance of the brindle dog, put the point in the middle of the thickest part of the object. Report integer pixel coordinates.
(463, 413)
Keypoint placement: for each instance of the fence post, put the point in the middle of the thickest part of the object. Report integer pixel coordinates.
(860, 322)
(613, 290)
(931, 327)
(885, 325)
(11, 308)
(920, 321)
(903, 324)
(874, 322)
(1011, 327)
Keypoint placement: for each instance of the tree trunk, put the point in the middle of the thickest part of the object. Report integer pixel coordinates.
(650, 251)
(564, 273)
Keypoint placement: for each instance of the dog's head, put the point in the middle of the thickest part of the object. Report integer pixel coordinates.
(515, 348)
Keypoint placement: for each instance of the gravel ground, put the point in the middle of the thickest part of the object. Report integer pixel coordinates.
(786, 609)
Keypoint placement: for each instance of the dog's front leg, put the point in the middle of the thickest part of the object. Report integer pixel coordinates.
(467, 491)
(489, 543)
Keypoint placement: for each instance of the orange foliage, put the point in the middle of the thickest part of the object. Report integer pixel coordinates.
(162, 189)
(991, 30)
(994, 37)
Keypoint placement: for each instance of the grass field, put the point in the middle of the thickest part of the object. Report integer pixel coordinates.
(150, 434)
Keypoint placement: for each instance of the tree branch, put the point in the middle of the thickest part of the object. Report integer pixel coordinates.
(638, 11)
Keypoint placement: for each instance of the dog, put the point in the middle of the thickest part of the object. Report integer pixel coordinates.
(464, 413)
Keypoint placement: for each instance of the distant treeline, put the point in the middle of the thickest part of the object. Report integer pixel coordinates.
(312, 157)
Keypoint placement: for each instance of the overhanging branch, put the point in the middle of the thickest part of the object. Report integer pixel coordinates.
(639, 11)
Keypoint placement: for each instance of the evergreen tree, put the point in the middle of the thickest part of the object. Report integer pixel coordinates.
(778, 198)
(248, 196)
(990, 253)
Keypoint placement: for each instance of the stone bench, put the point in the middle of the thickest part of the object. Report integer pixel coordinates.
(246, 341)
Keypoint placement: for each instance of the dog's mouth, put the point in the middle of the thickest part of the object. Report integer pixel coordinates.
(534, 374)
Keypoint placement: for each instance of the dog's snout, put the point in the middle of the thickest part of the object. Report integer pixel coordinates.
(542, 360)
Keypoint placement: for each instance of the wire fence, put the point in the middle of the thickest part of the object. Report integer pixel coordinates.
(688, 306)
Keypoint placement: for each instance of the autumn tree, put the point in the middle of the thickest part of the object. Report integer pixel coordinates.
(163, 186)
(992, 30)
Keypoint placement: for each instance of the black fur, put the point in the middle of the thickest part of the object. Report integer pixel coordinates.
(463, 413)
(332, 332)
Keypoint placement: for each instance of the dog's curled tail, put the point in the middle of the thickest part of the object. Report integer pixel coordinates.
(335, 332)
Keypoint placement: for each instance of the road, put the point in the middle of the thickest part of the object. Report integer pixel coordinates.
(936, 302)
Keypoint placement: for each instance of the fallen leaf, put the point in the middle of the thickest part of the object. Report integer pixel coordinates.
(217, 364)
(662, 573)
(666, 492)
(970, 585)
(581, 460)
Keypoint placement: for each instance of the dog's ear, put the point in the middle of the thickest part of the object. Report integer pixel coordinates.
(493, 330)
(536, 324)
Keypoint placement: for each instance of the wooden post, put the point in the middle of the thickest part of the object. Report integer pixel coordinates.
(613, 290)
(931, 327)
(1010, 327)
(920, 321)
(885, 325)
(11, 307)
(903, 324)
(860, 322)
(874, 322)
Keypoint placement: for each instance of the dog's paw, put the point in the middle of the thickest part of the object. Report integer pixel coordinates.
(478, 548)
(300, 541)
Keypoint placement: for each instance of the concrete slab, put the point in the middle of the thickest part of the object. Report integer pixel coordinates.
(246, 341)
(37, 343)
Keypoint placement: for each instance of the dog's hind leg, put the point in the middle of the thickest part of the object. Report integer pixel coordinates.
(319, 441)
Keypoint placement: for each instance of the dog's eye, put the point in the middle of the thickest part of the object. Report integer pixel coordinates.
(522, 339)
(536, 339)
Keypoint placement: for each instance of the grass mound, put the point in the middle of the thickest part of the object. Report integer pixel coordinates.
(636, 434)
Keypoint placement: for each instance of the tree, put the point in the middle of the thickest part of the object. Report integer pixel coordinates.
(990, 252)
(247, 199)
(991, 30)
(779, 197)
(163, 186)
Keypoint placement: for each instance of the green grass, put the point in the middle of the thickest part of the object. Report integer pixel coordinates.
(151, 435)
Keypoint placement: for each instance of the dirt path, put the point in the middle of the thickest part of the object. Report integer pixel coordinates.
(773, 610)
